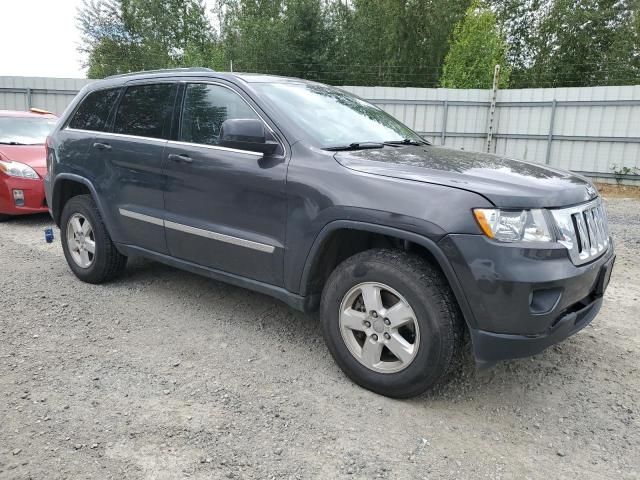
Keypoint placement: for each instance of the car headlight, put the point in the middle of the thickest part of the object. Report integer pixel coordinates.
(16, 169)
(513, 225)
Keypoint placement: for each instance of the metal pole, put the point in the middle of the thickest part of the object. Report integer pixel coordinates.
(492, 108)
(445, 112)
(547, 157)
(28, 98)
(231, 66)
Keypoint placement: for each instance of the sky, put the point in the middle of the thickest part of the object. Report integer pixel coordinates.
(39, 38)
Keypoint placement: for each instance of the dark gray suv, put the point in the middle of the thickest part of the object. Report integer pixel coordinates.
(312, 195)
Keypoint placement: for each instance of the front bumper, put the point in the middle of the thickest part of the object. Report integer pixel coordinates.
(524, 298)
(34, 198)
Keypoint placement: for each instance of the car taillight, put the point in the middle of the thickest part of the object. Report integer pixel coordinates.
(48, 145)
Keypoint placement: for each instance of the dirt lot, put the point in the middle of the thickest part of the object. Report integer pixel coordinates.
(167, 375)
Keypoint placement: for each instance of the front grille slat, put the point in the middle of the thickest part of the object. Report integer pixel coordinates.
(583, 230)
(596, 227)
(600, 218)
(593, 243)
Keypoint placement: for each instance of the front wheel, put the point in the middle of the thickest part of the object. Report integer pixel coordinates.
(87, 246)
(391, 322)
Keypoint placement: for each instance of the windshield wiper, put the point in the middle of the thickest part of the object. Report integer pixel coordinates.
(12, 143)
(406, 141)
(356, 146)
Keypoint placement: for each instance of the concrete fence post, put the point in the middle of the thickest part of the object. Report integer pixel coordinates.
(445, 112)
(547, 157)
(492, 107)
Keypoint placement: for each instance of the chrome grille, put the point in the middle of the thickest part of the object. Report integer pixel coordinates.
(583, 230)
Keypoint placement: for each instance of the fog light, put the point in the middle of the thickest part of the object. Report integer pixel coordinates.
(544, 301)
(18, 198)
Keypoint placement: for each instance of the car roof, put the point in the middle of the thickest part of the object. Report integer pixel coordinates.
(20, 113)
(263, 78)
(122, 79)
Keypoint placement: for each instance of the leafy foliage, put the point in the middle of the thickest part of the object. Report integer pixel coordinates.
(556, 43)
(476, 49)
(394, 42)
(127, 35)
(372, 42)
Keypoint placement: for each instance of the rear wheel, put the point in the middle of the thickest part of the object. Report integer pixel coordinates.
(89, 251)
(391, 322)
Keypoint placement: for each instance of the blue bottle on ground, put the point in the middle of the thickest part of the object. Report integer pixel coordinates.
(48, 234)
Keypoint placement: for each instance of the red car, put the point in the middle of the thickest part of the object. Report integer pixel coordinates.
(23, 162)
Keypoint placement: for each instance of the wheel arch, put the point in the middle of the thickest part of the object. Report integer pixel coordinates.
(67, 186)
(426, 247)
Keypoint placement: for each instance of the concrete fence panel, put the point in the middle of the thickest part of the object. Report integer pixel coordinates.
(587, 129)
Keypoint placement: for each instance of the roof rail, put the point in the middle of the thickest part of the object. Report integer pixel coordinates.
(163, 70)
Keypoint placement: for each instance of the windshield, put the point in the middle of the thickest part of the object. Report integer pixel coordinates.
(25, 130)
(333, 117)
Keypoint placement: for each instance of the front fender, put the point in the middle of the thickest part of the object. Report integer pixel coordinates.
(421, 240)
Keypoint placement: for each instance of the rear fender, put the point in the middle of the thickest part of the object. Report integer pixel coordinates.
(56, 208)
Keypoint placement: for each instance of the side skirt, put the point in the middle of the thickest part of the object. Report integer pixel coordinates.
(297, 302)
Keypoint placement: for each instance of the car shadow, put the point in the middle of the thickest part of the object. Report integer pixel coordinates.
(518, 377)
(29, 220)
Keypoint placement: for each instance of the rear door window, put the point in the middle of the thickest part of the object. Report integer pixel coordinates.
(93, 112)
(145, 110)
(206, 106)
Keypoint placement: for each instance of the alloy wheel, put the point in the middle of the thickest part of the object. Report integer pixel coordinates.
(379, 327)
(81, 240)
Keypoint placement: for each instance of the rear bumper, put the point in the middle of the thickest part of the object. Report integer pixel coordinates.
(34, 198)
(524, 299)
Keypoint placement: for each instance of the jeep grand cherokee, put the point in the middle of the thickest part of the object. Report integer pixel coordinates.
(312, 195)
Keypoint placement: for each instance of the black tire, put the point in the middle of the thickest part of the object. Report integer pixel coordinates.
(4, 218)
(426, 290)
(107, 263)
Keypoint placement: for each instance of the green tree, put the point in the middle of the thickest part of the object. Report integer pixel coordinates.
(366, 42)
(415, 43)
(554, 43)
(307, 38)
(287, 37)
(252, 33)
(588, 42)
(520, 20)
(126, 35)
(393, 42)
(477, 46)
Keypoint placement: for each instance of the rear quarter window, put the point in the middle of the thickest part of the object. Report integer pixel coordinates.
(93, 112)
(145, 110)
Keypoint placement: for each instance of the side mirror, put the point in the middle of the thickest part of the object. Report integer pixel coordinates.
(246, 134)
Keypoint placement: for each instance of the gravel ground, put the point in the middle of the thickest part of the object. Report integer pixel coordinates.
(168, 375)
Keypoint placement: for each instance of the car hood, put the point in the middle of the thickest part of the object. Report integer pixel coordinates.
(503, 181)
(33, 155)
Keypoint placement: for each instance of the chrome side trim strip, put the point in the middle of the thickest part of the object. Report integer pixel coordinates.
(216, 147)
(117, 135)
(220, 237)
(142, 217)
(241, 242)
(170, 142)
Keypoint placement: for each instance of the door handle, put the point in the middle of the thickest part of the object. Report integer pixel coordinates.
(180, 157)
(101, 146)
